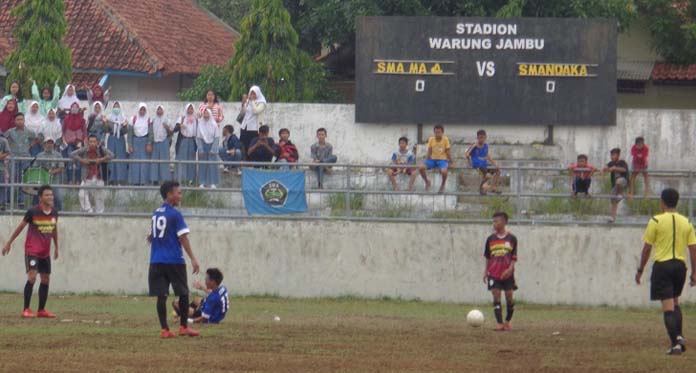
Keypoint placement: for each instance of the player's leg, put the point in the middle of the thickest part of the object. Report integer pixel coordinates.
(177, 274)
(32, 271)
(670, 320)
(510, 305)
(159, 287)
(497, 308)
(45, 273)
(662, 289)
(679, 280)
(680, 325)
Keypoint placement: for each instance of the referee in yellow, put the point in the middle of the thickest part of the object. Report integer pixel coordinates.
(670, 233)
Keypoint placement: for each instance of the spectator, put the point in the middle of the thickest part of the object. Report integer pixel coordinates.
(439, 156)
(262, 148)
(207, 150)
(96, 122)
(65, 104)
(21, 140)
(581, 174)
(619, 178)
(52, 161)
(186, 146)
(46, 100)
(322, 152)
(91, 157)
(34, 122)
(97, 94)
(402, 156)
(74, 135)
(639, 152)
(479, 158)
(231, 150)
(7, 116)
(16, 95)
(160, 136)
(52, 129)
(117, 129)
(4, 153)
(212, 103)
(252, 111)
(286, 151)
(240, 116)
(140, 147)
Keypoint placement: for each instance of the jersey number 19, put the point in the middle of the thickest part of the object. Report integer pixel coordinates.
(159, 224)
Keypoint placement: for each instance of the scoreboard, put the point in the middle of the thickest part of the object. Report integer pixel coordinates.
(531, 71)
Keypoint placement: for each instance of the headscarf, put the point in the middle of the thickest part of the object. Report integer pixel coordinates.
(160, 125)
(259, 96)
(94, 107)
(207, 128)
(66, 102)
(52, 128)
(140, 127)
(99, 97)
(117, 120)
(7, 117)
(188, 122)
(34, 121)
(74, 122)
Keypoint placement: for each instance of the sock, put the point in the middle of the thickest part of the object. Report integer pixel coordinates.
(510, 310)
(162, 311)
(671, 326)
(497, 309)
(183, 309)
(678, 317)
(28, 289)
(43, 295)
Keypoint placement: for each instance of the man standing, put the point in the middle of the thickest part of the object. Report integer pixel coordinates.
(92, 158)
(167, 265)
(43, 223)
(670, 233)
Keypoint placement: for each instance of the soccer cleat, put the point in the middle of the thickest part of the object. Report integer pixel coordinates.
(676, 350)
(27, 314)
(166, 333)
(507, 326)
(680, 342)
(45, 314)
(499, 328)
(188, 331)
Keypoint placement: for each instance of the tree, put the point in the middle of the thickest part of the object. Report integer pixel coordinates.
(673, 28)
(41, 53)
(216, 78)
(267, 55)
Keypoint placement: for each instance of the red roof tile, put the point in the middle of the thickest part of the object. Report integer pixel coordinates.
(153, 36)
(666, 71)
(80, 79)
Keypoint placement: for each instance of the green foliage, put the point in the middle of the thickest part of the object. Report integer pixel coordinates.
(41, 53)
(212, 77)
(673, 28)
(267, 56)
(496, 204)
(337, 201)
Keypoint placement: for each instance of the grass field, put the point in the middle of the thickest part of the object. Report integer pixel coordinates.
(108, 333)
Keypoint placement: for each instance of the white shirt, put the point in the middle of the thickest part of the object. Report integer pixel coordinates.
(188, 126)
(159, 128)
(140, 127)
(253, 115)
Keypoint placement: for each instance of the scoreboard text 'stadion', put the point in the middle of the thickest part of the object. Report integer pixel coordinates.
(486, 71)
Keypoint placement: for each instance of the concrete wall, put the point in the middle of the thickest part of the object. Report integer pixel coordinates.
(669, 133)
(431, 262)
(140, 88)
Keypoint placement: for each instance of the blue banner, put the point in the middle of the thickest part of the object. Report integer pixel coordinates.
(274, 192)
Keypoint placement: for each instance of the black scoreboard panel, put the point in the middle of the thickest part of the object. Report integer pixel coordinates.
(534, 71)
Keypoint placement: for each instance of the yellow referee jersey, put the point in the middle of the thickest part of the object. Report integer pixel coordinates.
(669, 233)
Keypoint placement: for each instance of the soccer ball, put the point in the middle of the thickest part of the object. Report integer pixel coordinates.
(474, 318)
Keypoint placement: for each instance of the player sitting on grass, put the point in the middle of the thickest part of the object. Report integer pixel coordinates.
(499, 275)
(213, 308)
(439, 156)
(581, 175)
(670, 233)
(479, 158)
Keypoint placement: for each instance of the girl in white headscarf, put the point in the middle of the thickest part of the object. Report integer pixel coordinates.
(34, 122)
(252, 110)
(209, 174)
(52, 129)
(117, 129)
(139, 146)
(96, 122)
(68, 99)
(186, 145)
(160, 135)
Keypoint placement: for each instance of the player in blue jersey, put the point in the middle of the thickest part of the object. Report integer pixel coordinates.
(167, 265)
(213, 308)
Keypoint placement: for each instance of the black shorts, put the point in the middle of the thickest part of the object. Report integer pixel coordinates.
(506, 285)
(41, 265)
(484, 171)
(667, 279)
(162, 275)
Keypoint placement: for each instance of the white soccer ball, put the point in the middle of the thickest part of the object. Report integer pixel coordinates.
(475, 318)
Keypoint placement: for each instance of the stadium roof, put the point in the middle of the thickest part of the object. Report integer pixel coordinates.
(152, 37)
(672, 72)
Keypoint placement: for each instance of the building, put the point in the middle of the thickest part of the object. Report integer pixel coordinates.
(142, 49)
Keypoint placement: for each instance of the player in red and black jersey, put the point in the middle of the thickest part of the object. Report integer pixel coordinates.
(43, 222)
(499, 275)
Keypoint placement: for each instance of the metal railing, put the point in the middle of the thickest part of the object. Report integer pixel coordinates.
(535, 195)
